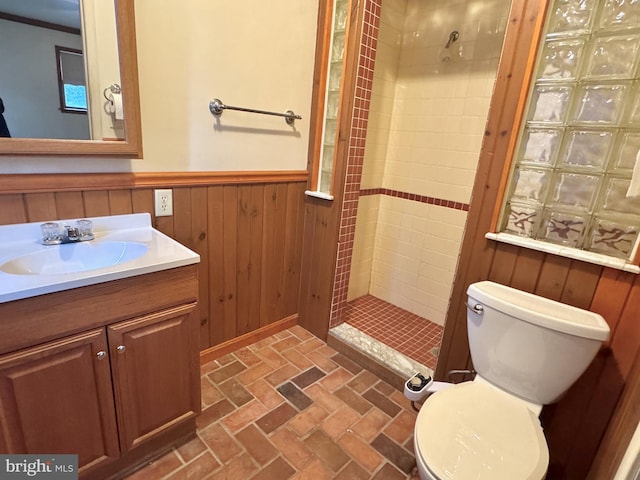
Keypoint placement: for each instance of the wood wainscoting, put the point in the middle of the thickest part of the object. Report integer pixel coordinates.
(246, 227)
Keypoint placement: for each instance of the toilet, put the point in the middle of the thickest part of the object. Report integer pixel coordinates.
(527, 351)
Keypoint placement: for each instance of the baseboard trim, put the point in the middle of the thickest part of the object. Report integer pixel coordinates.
(261, 333)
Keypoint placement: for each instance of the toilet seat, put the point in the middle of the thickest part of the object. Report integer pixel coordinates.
(475, 431)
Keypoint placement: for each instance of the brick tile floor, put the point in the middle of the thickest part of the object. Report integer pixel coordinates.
(290, 407)
(409, 334)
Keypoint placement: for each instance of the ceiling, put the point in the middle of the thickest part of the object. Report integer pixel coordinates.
(61, 12)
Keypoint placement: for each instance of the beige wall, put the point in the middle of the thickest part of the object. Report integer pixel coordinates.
(247, 53)
(430, 148)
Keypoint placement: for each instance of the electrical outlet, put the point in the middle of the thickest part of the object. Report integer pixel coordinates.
(164, 202)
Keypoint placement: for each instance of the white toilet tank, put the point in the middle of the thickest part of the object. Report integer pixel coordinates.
(530, 346)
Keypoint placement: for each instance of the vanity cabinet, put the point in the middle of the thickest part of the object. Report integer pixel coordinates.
(115, 393)
(156, 384)
(58, 397)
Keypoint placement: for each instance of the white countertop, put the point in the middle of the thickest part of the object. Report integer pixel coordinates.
(162, 253)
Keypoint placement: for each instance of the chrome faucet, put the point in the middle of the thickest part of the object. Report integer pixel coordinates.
(70, 234)
(52, 234)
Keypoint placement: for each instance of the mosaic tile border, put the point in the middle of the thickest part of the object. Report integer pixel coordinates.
(355, 157)
(440, 202)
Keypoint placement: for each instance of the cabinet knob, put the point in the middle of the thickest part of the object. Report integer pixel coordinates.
(121, 348)
(101, 354)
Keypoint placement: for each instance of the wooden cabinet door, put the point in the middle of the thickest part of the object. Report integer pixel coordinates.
(58, 398)
(156, 372)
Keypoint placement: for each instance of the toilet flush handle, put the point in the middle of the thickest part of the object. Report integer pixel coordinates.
(477, 308)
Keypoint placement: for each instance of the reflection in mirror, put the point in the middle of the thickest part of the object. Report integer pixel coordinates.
(44, 42)
(29, 35)
(37, 121)
(103, 69)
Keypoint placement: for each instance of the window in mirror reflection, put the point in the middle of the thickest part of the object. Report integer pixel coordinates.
(71, 80)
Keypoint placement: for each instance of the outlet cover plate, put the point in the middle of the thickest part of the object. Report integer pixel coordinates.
(163, 202)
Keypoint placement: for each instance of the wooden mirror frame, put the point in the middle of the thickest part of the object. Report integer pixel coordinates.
(131, 146)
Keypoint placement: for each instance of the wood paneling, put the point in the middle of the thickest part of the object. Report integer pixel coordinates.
(248, 236)
(216, 265)
(96, 203)
(12, 209)
(589, 422)
(574, 426)
(620, 429)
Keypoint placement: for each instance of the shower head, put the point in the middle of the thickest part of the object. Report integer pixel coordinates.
(453, 36)
(445, 53)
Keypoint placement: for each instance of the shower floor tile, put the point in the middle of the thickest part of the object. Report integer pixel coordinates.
(409, 334)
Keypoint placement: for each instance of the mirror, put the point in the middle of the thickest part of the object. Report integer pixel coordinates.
(101, 117)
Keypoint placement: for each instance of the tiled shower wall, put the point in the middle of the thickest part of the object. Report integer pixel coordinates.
(378, 132)
(426, 126)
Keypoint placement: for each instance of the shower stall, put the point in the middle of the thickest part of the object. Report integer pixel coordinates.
(435, 66)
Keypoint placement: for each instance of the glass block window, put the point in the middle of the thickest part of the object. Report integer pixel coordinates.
(580, 137)
(332, 98)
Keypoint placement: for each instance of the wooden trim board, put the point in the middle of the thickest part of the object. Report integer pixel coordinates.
(52, 182)
(234, 344)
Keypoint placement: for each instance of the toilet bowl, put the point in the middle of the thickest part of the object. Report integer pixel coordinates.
(527, 351)
(473, 431)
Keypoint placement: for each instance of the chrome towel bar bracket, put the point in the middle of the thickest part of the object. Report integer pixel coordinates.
(216, 107)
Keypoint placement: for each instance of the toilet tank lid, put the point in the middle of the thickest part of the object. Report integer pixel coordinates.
(540, 311)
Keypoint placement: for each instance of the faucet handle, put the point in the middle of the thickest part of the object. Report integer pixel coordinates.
(85, 229)
(50, 233)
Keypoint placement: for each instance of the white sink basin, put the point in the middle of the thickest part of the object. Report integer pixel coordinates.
(74, 258)
(125, 246)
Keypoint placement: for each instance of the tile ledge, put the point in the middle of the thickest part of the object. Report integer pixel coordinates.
(573, 253)
(387, 356)
(317, 194)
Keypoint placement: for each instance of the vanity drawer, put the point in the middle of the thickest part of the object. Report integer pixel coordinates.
(35, 320)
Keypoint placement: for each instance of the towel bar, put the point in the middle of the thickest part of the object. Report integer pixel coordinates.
(216, 107)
